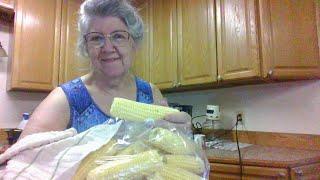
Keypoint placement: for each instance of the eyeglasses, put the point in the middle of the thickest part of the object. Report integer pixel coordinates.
(98, 40)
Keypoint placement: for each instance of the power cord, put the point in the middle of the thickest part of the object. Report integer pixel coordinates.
(198, 116)
(237, 140)
(239, 152)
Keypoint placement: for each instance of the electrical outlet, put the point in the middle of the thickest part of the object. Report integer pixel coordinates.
(240, 118)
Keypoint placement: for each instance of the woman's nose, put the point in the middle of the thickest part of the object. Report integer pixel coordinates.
(108, 46)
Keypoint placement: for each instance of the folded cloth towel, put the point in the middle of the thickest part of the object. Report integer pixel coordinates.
(34, 141)
(58, 155)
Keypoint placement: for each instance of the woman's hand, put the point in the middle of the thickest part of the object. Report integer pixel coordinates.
(179, 120)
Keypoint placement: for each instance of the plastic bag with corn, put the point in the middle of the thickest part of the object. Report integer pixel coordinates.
(143, 150)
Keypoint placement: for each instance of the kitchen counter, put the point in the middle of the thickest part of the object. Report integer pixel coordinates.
(265, 156)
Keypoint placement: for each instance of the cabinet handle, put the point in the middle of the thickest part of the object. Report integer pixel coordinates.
(219, 78)
(299, 172)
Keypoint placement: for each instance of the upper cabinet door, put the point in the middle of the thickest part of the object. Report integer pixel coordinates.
(36, 45)
(196, 42)
(71, 64)
(237, 39)
(290, 34)
(140, 66)
(163, 66)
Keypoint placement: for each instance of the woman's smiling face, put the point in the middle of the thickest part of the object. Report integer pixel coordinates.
(114, 55)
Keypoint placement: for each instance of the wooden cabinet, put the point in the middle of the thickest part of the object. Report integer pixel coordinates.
(237, 39)
(71, 64)
(196, 42)
(306, 172)
(252, 39)
(44, 53)
(187, 42)
(164, 62)
(290, 33)
(141, 63)
(229, 171)
(183, 53)
(35, 60)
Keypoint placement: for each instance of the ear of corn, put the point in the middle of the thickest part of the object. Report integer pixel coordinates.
(135, 111)
(135, 148)
(155, 176)
(173, 173)
(170, 142)
(88, 163)
(189, 163)
(141, 164)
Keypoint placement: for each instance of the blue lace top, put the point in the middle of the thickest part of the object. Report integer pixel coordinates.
(85, 113)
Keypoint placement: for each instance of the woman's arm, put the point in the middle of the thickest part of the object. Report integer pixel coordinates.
(52, 114)
(158, 99)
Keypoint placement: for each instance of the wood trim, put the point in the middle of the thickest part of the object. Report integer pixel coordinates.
(219, 37)
(298, 141)
(179, 32)
(212, 39)
(63, 42)
(56, 61)
(249, 171)
(265, 37)
(318, 21)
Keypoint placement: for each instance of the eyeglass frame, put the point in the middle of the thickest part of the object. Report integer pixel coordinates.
(107, 36)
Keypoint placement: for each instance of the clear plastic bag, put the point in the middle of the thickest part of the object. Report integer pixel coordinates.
(143, 150)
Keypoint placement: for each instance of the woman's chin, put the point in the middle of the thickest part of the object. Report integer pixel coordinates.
(113, 73)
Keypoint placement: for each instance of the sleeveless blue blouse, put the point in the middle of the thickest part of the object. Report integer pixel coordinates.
(85, 113)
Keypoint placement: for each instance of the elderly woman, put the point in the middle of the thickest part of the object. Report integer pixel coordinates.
(110, 33)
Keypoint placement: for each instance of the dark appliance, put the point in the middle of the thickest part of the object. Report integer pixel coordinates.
(180, 107)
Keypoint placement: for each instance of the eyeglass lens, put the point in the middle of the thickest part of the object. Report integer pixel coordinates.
(98, 40)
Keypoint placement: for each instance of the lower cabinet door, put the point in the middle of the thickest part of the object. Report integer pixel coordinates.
(229, 171)
(311, 171)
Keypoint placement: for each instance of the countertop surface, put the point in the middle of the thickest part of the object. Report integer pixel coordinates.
(256, 155)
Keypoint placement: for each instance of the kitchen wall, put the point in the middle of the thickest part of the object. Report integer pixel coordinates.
(290, 107)
(13, 104)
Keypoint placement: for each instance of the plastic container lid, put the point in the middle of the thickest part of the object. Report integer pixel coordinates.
(26, 116)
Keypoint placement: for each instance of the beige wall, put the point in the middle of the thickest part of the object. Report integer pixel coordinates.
(290, 107)
(13, 104)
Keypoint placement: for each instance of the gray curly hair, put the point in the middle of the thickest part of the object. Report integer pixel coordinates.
(102, 8)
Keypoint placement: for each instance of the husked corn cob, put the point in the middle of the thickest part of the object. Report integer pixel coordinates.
(187, 162)
(155, 176)
(173, 173)
(135, 148)
(88, 163)
(135, 111)
(170, 142)
(140, 164)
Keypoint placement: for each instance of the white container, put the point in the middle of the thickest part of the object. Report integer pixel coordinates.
(24, 121)
(213, 112)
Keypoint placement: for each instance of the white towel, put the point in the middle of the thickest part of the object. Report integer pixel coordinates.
(57, 156)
